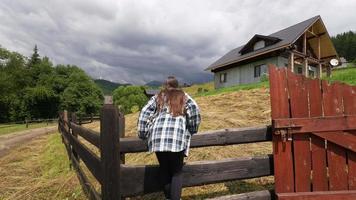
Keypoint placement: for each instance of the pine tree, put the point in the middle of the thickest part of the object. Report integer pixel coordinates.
(35, 58)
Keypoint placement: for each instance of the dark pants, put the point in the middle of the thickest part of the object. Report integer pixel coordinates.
(170, 164)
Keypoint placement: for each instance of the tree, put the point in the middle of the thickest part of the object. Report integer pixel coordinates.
(81, 95)
(345, 44)
(35, 58)
(129, 98)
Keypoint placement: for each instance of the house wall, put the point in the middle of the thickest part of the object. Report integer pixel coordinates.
(245, 73)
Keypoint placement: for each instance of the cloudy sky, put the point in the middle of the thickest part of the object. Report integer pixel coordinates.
(139, 41)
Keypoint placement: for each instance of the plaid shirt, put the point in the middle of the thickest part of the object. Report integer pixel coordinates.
(165, 132)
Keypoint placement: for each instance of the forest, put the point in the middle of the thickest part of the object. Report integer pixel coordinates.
(33, 88)
(345, 44)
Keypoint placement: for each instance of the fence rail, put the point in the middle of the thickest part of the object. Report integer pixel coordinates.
(119, 180)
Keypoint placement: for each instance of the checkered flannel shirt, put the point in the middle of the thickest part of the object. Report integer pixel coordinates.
(164, 132)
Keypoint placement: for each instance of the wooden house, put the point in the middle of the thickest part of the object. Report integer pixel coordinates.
(306, 48)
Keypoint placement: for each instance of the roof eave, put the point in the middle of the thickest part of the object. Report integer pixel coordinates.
(210, 68)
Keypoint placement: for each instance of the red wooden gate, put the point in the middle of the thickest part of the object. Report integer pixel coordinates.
(314, 137)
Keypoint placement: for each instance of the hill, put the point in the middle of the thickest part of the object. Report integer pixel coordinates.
(154, 83)
(345, 75)
(107, 86)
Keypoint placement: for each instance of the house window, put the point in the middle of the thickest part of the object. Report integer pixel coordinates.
(260, 70)
(257, 71)
(311, 74)
(259, 45)
(300, 70)
(222, 77)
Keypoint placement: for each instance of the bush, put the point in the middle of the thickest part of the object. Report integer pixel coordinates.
(264, 78)
(129, 98)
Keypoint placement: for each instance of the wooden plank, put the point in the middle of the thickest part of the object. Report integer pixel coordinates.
(91, 136)
(144, 179)
(282, 151)
(317, 124)
(349, 98)
(319, 165)
(343, 139)
(325, 195)
(332, 99)
(111, 125)
(338, 178)
(210, 138)
(333, 106)
(89, 158)
(256, 195)
(318, 151)
(352, 170)
(87, 187)
(298, 95)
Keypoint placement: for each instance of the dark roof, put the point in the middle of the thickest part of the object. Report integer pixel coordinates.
(254, 39)
(287, 36)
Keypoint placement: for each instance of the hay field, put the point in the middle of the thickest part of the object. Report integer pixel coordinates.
(40, 169)
(242, 108)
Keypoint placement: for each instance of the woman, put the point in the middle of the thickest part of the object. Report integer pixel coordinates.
(167, 122)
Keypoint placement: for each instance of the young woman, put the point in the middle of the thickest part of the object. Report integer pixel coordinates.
(167, 122)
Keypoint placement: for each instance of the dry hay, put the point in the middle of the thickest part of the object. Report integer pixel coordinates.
(228, 110)
(22, 173)
(28, 172)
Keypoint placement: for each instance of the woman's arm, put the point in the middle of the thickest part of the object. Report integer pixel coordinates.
(147, 111)
(193, 115)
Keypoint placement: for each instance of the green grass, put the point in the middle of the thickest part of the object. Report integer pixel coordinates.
(248, 86)
(10, 128)
(346, 75)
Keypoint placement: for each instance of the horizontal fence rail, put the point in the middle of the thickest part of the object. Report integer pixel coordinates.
(210, 138)
(143, 179)
(91, 136)
(118, 180)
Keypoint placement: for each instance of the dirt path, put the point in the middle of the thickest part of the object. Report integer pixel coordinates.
(9, 141)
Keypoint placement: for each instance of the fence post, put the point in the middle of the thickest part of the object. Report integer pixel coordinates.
(65, 120)
(74, 119)
(110, 127)
(122, 135)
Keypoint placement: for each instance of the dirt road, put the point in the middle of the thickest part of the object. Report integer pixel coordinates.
(9, 141)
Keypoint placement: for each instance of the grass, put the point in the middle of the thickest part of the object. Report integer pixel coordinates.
(207, 89)
(10, 128)
(38, 170)
(345, 75)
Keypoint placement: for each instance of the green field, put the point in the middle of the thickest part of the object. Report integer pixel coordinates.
(345, 75)
(10, 128)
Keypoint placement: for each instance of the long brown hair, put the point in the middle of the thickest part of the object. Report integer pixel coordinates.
(172, 96)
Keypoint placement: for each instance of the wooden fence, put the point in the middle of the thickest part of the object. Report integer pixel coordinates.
(119, 180)
(314, 138)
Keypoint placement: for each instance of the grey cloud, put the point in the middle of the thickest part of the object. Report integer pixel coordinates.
(139, 41)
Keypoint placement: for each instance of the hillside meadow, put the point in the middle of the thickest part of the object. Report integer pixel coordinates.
(40, 169)
(37, 171)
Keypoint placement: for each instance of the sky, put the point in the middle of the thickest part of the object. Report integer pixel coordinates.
(137, 41)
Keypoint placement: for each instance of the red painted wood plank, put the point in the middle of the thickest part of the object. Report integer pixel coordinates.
(338, 177)
(318, 151)
(349, 97)
(327, 195)
(352, 169)
(319, 168)
(333, 106)
(298, 94)
(282, 151)
(343, 139)
(321, 124)
(332, 99)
